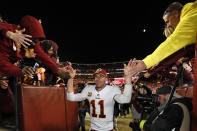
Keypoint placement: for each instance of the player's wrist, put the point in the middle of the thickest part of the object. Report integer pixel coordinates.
(128, 77)
(128, 80)
(71, 91)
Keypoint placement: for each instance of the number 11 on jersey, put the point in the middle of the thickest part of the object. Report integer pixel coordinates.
(101, 103)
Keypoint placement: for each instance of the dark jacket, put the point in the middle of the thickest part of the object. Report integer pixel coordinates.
(171, 117)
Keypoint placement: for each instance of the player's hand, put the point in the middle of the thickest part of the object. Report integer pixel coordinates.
(67, 63)
(72, 72)
(19, 37)
(134, 67)
(129, 68)
(63, 73)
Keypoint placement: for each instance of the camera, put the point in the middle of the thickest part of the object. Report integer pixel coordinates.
(148, 102)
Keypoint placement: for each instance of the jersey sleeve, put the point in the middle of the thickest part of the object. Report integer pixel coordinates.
(79, 96)
(125, 97)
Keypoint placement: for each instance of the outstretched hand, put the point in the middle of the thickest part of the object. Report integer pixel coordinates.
(133, 68)
(19, 37)
(71, 71)
(63, 73)
(129, 68)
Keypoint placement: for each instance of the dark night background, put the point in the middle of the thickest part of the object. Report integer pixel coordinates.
(99, 32)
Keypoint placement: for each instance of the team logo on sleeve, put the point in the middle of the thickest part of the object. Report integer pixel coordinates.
(89, 94)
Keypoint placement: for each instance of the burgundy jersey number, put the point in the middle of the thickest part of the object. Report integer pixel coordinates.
(101, 103)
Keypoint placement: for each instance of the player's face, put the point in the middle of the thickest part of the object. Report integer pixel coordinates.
(100, 80)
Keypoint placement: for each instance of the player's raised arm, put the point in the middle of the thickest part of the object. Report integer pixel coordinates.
(126, 96)
(70, 92)
(72, 74)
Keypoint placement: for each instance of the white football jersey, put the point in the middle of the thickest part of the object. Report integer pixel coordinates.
(101, 104)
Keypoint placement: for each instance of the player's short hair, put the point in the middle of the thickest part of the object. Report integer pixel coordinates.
(172, 7)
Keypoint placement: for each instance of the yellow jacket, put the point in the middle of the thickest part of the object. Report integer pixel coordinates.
(184, 34)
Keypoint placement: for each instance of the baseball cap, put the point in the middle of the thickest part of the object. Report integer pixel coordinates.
(100, 71)
(164, 90)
